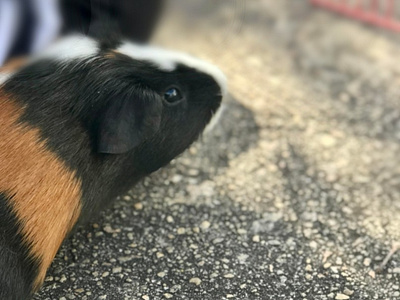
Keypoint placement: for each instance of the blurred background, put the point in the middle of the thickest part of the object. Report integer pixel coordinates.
(294, 195)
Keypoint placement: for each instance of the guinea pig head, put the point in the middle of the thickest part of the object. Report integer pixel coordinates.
(152, 103)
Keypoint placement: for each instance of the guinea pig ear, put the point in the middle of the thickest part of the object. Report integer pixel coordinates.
(127, 121)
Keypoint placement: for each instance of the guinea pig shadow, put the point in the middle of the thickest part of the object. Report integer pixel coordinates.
(234, 133)
(117, 235)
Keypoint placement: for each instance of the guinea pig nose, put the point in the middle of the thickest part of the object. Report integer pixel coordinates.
(173, 95)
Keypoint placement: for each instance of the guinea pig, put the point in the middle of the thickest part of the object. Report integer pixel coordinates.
(80, 124)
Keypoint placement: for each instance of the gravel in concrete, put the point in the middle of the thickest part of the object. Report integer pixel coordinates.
(294, 196)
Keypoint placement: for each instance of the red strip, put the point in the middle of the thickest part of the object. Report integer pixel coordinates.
(357, 12)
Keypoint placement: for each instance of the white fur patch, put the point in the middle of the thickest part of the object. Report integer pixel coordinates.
(71, 48)
(168, 60)
(4, 77)
(151, 54)
(82, 47)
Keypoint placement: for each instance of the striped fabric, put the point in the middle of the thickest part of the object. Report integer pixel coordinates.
(27, 26)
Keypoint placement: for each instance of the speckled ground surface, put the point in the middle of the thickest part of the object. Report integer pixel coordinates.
(295, 195)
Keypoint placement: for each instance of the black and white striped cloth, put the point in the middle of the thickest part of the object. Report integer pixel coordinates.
(27, 26)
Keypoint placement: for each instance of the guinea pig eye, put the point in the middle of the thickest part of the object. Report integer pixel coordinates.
(173, 95)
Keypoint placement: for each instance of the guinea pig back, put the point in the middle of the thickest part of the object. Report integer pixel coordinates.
(39, 203)
(81, 124)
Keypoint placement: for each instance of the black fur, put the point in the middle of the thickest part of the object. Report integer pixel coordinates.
(125, 124)
(17, 268)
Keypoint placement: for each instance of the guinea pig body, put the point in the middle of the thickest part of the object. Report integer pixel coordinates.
(80, 125)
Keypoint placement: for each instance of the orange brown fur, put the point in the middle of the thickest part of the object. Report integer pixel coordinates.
(13, 65)
(111, 54)
(46, 195)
